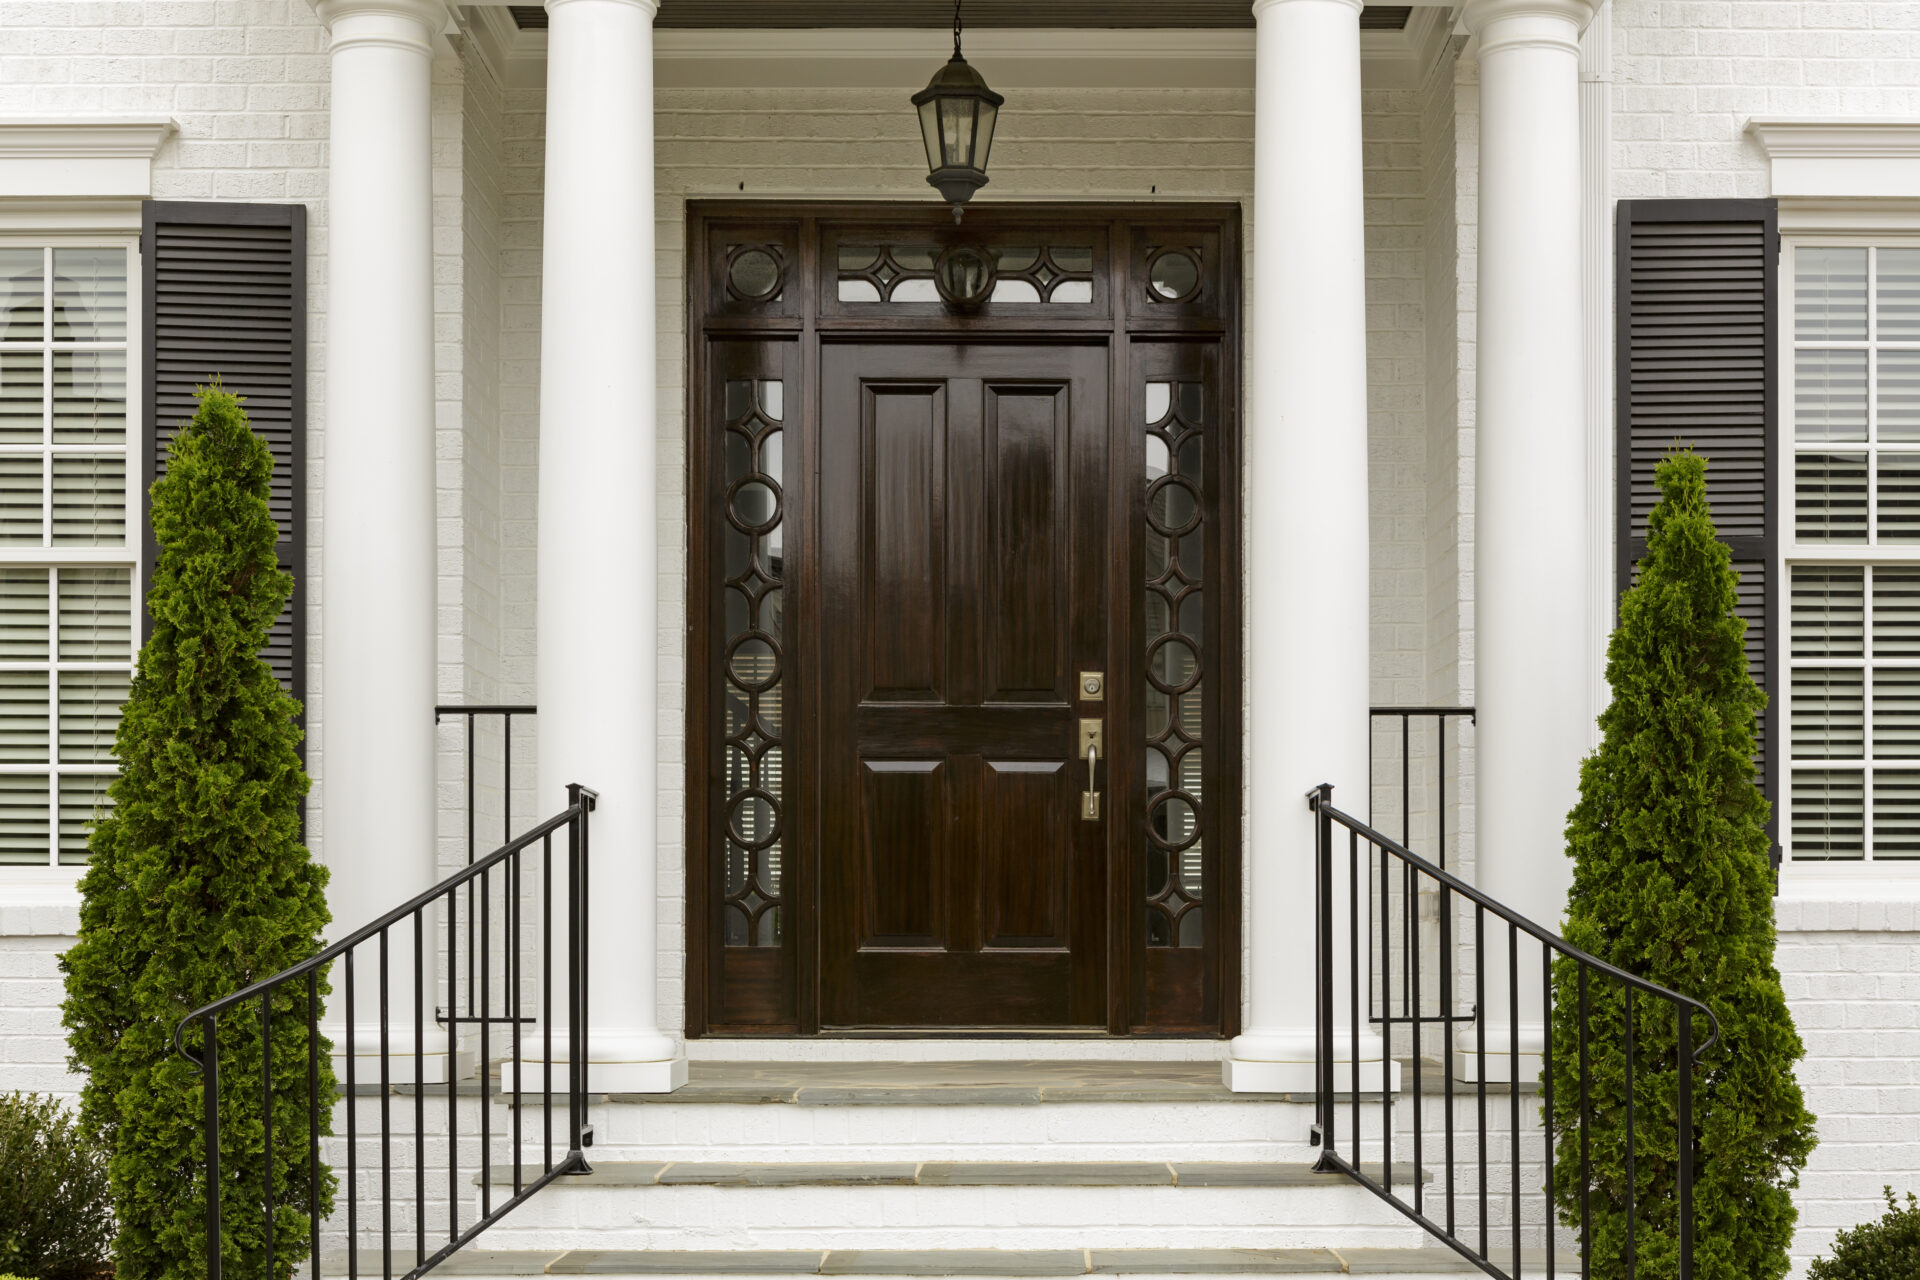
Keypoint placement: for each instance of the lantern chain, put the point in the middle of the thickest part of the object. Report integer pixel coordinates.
(956, 28)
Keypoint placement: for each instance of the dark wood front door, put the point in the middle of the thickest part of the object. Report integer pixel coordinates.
(915, 523)
(964, 528)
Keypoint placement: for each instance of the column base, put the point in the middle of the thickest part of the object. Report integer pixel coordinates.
(434, 1069)
(1285, 1064)
(663, 1076)
(1499, 1065)
(435, 1066)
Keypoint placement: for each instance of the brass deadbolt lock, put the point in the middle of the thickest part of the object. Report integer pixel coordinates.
(1093, 685)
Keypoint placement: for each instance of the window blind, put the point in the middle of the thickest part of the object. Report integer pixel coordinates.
(66, 566)
(226, 298)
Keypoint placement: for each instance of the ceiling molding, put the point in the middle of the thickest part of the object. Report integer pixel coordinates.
(80, 157)
(902, 58)
(1828, 158)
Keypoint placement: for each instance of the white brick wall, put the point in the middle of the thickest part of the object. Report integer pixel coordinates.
(1688, 74)
(1852, 975)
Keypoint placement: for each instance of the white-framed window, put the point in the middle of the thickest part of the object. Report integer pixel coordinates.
(69, 542)
(1850, 488)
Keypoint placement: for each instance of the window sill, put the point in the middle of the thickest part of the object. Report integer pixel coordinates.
(1856, 899)
(39, 902)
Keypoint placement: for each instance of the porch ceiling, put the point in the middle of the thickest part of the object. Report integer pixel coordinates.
(1215, 14)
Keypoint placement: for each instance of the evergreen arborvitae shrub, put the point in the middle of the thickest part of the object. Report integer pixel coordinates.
(199, 884)
(55, 1217)
(1672, 882)
(1886, 1249)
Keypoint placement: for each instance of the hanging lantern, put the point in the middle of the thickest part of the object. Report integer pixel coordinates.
(957, 115)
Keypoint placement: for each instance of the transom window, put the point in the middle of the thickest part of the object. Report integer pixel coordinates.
(1852, 418)
(67, 565)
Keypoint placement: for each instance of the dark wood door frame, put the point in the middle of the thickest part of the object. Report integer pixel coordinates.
(759, 320)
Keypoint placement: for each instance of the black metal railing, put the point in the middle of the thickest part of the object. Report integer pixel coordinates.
(1466, 1183)
(1415, 756)
(530, 1000)
(1410, 747)
(466, 1003)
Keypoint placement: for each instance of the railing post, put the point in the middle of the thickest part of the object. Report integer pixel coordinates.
(1685, 1055)
(576, 974)
(210, 1103)
(1318, 800)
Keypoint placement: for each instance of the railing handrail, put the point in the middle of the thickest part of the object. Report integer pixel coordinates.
(373, 928)
(484, 709)
(1443, 712)
(1318, 801)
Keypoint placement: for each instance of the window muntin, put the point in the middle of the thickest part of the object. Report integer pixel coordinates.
(68, 560)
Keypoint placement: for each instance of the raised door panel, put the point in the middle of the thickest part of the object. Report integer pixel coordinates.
(904, 484)
(904, 811)
(1026, 555)
(1026, 854)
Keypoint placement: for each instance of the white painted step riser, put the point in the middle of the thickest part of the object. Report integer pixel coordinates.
(1080, 1131)
(582, 1206)
(768, 1275)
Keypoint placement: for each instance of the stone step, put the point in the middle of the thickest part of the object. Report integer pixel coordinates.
(1419, 1263)
(1009, 1110)
(940, 1173)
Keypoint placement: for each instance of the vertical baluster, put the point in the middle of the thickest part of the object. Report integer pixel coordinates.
(1357, 885)
(386, 1122)
(1685, 1054)
(513, 996)
(266, 1115)
(1586, 1140)
(453, 973)
(486, 1049)
(1406, 842)
(353, 1136)
(546, 996)
(420, 1092)
(1440, 797)
(1419, 1102)
(1546, 1091)
(506, 777)
(1633, 1268)
(453, 1082)
(1386, 1018)
(1513, 1080)
(210, 1111)
(313, 1119)
(1446, 1042)
(1480, 1053)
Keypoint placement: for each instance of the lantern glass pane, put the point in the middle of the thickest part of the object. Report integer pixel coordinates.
(989, 116)
(956, 130)
(930, 131)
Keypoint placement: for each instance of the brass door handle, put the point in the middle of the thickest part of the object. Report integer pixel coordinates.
(1090, 737)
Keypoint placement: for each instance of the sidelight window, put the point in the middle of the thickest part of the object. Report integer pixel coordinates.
(1176, 639)
(755, 569)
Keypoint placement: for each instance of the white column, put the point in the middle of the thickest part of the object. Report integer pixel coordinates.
(1307, 589)
(1530, 519)
(378, 624)
(598, 560)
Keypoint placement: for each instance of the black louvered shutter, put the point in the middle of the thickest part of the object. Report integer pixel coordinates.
(225, 296)
(1697, 365)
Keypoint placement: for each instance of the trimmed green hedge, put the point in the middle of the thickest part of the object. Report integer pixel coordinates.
(199, 885)
(1671, 881)
(56, 1219)
(1885, 1249)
